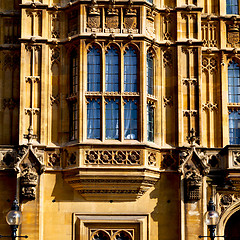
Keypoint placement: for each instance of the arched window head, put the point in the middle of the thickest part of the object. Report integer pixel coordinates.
(100, 235)
(150, 73)
(233, 82)
(130, 70)
(94, 69)
(123, 235)
(232, 7)
(112, 70)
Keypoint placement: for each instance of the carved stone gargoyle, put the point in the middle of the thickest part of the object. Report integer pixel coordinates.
(193, 167)
(30, 167)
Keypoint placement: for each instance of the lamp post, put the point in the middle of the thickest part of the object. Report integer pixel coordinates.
(211, 218)
(14, 219)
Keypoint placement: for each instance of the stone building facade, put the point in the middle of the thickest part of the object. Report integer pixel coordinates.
(120, 119)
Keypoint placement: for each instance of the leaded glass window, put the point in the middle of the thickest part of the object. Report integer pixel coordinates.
(130, 119)
(73, 121)
(93, 118)
(150, 122)
(130, 70)
(233, 83)
(94, 69)
(149, 73)
(232, 6)
(112, 70)
(73, 72)
(112, 118)
(234, 127)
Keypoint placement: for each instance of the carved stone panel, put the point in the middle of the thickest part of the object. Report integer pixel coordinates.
(112, 21)
(130, 21)
(94, 20)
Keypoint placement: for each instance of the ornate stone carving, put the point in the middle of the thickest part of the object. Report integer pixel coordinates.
(236, 158)
(94, 18)
(8, 160)
(167, 20)
(193, 166)
(168, 161)
(55, 57)
(71, 159)
(210, 106)
(112, 20)
(193, 181)
(188, 81)
(209, 64)
(55, 31)
(130, 21)
(112, 157)
(9, 103)
(53, 159)
(167, 58)
(209, 33)
(150, 28)
(233, 34)
(167, 101)
(54, 100)
(152, 159)
(30, 166)
(226, 200)
(192, 113)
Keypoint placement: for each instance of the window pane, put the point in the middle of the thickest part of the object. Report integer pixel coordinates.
(93, 118)
(73, 121)
(112, 70)
(149, 73)
(130, 70)
(130, 119)
(233, 83)
(112, 119)
(234, 127)
(232, 6)
(94, 69)
(73, 72)
(150, 122)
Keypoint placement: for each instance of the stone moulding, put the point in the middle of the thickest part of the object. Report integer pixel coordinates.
(117, 184)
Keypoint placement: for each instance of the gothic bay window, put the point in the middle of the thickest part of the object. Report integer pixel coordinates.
(112, 104)
(150, 122)
(130, 70)
(94, 69)
(112, 70)
(232, 7)
(93, 118)
(234, 98)
(150, 73)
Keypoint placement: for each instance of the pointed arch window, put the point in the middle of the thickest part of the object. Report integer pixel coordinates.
(232, 7)
(150, 73)
(112, 70)
(94, 69)
(130, 70)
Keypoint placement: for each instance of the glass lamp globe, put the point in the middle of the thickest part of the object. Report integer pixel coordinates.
(14, 217)
(211, 218)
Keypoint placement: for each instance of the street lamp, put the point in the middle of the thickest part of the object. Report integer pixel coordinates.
(211, 218)
(14, 219)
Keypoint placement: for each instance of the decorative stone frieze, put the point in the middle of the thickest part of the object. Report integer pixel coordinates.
(53, 160)
(233, 33)
(113, 157)
(210, 106)
(130, 21)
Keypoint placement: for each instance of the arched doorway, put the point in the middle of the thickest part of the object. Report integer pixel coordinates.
(232, 229)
